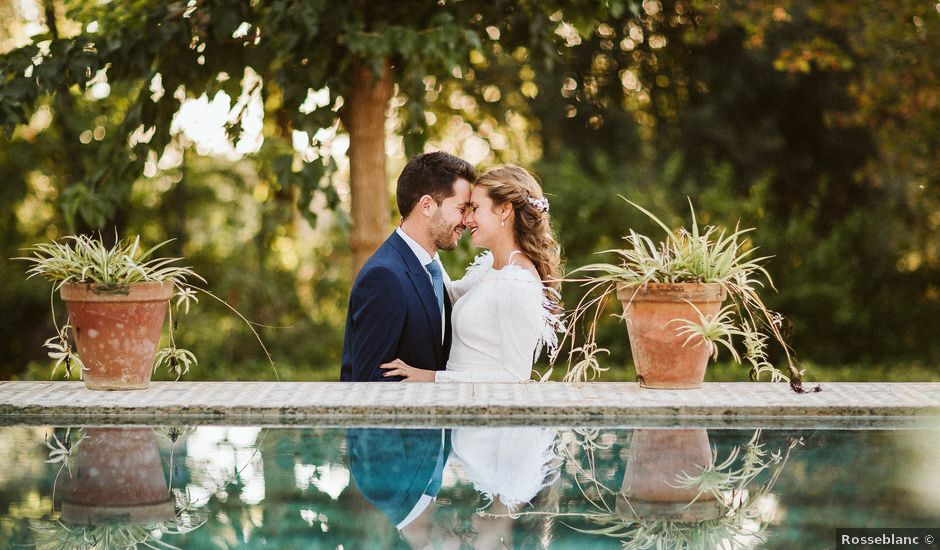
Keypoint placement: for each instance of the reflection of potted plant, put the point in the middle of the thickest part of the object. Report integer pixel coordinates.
(117, 299)
(117, 475)
(672, 295)
(715, 505)
(656, 459)
(116, 495)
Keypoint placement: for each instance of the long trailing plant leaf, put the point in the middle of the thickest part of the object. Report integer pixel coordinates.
(711, 329)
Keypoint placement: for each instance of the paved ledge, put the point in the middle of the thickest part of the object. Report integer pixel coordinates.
(856, 405)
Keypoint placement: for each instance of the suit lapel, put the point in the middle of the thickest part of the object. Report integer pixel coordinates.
(422, 284)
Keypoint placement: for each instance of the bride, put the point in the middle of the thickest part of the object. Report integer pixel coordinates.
(504, 307)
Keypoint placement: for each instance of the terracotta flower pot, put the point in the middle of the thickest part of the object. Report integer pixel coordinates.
(117, 477)
(662, 358)
(117, 329)
(656, 460)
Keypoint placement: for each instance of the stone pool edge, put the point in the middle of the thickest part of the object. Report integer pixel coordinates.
(846, 404)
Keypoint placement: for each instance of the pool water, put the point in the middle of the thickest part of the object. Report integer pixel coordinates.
(464, 487)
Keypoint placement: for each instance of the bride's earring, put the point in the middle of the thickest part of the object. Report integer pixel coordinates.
(502, 223)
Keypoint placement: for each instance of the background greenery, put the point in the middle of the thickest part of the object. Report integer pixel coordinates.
(816, 123)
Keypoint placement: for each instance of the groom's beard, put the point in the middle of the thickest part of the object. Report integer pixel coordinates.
(445, 237)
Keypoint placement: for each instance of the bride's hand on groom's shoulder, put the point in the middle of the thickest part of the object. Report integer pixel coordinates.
(407, 372)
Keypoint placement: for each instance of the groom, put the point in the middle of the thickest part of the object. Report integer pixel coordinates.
(398, 307)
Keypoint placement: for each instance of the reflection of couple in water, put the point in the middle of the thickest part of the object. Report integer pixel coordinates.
(400, 471)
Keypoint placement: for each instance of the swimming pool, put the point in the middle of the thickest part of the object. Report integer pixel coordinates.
(216, 486)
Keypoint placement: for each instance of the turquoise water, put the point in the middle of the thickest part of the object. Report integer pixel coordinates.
(250, 487)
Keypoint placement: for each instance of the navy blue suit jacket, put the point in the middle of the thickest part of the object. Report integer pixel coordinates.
(392, 315)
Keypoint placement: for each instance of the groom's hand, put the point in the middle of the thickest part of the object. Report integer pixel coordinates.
(408, 373)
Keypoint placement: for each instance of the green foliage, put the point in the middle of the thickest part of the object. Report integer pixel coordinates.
(793, 154)
(295, 48)
(788, 118)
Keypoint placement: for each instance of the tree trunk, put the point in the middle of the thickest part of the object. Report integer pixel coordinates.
(363, 115)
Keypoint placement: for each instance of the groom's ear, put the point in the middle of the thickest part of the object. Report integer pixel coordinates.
(424, 204)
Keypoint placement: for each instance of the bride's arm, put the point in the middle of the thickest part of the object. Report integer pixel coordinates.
(520, 320)
(407, 373)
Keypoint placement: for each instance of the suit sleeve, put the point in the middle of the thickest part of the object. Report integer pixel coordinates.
(377, 306)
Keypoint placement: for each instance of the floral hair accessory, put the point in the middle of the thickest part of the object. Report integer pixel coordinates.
(541, 204)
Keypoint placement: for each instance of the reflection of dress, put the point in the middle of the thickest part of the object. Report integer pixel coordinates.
(512, 463)
(501, 319)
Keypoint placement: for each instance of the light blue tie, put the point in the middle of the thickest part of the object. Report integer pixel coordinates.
(437, 281)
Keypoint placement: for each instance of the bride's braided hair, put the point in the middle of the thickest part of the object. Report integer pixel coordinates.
(515, 186)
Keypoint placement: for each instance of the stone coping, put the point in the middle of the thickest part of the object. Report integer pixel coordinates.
(745, 404)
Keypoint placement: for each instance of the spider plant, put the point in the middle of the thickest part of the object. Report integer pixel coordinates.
(86, 259)
(708, 254)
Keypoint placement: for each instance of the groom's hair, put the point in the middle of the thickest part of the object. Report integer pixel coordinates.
(430, 174)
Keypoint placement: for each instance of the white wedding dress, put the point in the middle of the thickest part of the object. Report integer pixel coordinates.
(501, 320)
